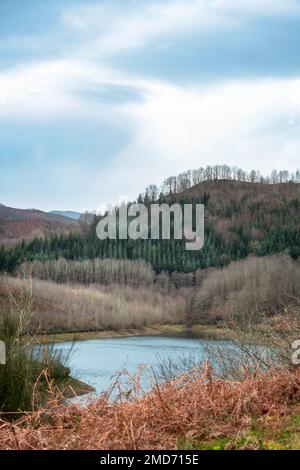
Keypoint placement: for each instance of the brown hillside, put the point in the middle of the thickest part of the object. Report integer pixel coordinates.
(235, 204)
(225, 190)
(19, 224)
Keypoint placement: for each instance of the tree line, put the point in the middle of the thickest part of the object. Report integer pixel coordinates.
(190, 178)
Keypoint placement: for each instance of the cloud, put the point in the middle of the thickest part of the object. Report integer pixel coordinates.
(111, 28)
(38, 88)
(240, 122)
(168, 127)
(63, 87)
(93, 132)
(259, 7)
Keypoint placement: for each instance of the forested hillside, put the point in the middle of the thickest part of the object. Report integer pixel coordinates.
(245, 215)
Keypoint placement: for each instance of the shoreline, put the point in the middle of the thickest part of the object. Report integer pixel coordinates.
(198, 331)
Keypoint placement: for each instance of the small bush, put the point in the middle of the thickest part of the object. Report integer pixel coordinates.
(26, 366)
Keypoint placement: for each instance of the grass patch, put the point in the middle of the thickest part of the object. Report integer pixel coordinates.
(271, 434)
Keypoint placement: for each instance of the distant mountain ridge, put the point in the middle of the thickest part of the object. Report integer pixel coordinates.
(69, 214)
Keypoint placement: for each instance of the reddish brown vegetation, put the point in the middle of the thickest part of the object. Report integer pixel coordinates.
(19, 224)
(191, 407)
(225, 190)
(234, 203)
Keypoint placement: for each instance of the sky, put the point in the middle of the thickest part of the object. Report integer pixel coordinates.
(99, 98)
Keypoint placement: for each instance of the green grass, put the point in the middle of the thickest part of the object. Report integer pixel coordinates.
(286, 436)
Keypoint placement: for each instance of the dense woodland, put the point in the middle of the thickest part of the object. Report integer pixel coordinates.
(244, 214)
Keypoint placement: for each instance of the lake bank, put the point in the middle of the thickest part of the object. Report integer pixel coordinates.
(199, 331)
(75, 388)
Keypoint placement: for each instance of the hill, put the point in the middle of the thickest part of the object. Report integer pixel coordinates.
(26, 224)
(241, 218)
(256, 207)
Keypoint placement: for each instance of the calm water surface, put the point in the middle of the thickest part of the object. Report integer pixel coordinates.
(97, 361)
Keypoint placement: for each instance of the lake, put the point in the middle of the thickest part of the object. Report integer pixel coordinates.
(97, 361)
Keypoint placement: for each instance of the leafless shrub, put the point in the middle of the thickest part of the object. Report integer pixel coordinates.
(96, 271)
(65, 307)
